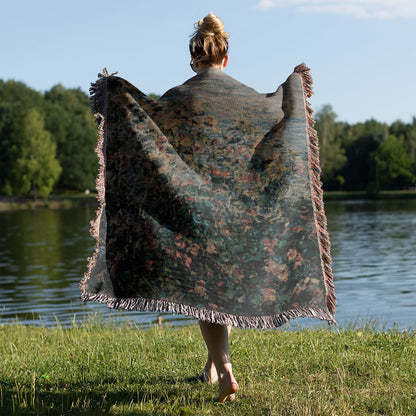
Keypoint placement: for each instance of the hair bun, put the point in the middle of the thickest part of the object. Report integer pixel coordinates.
(211, 25)
(209, 42)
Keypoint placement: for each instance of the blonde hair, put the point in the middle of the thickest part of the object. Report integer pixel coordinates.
(209, 42)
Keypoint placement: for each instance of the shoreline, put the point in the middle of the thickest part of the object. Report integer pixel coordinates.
(18, 203)
(351, 195)
(67, 201)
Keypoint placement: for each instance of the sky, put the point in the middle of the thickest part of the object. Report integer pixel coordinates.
(361, 53)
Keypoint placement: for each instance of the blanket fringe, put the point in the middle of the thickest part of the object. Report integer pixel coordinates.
(245, 322)
(316, 189)
(98, 101)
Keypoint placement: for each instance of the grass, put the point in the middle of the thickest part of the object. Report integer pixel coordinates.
(108, 369)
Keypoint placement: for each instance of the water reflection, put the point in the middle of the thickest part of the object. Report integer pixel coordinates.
(43, 257)
(374, 251)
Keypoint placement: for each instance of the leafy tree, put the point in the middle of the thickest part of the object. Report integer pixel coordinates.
(153, 96)
(361, 142)
(7, 113)
(332, 154)
(394, 164)
(15, 97)
(408, 132)
(34, 169)
(71, 123)
(15, 92)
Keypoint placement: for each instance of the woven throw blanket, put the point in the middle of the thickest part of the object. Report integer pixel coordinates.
(210, 202)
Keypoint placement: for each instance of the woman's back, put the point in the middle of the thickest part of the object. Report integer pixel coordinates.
(216, 123)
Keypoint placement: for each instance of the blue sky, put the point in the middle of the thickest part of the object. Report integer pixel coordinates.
(361, 53)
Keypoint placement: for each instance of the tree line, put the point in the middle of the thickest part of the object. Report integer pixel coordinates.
(47, 143)
(47, 140)
(368, 156)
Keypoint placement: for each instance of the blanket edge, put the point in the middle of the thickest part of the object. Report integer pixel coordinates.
(98, 100)
(316, 190)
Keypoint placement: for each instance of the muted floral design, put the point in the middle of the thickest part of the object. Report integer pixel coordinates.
(207, 199)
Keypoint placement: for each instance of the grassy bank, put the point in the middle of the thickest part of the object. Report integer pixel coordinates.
(108, 370)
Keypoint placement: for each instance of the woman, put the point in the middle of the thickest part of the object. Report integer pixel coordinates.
(209, 49)
(211, 204)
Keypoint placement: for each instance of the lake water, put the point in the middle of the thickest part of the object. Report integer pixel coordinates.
(43, 257)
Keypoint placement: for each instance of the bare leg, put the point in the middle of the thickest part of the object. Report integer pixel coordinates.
(216, 339)
(210, 372)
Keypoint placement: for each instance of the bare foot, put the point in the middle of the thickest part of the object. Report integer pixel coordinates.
(228, 388)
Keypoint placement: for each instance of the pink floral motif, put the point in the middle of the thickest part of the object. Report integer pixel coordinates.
(247, 224)
(269, 295)
(272, 266)
(250, 211)
(180, 244)
(279, 270)
(188, 261)
(199, 289)
(268, 245)
(211, 249)
(194, 249)
(295, 257)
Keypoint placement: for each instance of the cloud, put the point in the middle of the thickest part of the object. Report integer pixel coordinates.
(365, 9)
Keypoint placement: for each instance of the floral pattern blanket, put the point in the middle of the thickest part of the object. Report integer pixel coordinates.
(210, 202)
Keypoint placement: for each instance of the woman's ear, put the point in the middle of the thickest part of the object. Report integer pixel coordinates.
(225, 61)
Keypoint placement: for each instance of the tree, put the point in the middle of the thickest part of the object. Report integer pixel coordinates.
(408, 132)
(15, 92)
(153, 96)
(394, 164)
(7, 119)
(71, 123)
(14, 98)
(361, 142)
(332, 155)
(34, 169)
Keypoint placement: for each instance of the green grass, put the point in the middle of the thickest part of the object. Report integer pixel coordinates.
(108, 369)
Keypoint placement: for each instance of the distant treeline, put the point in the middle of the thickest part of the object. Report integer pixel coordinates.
(368, 156)
(47, 140)
(47, 145)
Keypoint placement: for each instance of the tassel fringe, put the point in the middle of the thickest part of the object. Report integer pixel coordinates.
(98, 101)
(245, 322)
(316, 190)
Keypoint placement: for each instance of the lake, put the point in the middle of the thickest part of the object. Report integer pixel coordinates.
(43, 255)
